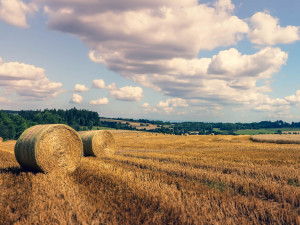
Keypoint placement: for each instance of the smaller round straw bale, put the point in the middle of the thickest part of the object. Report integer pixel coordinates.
(99, 143)
(1, 139)
(48, 148)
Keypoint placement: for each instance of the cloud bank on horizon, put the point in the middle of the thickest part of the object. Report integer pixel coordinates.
(158, 45)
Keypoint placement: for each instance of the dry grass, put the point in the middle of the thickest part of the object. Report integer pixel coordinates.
(160, 180)
(277, 138)
(48, 148)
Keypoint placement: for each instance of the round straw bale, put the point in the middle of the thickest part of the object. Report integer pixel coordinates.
(48, 148)
(1, 139)
(99, 143)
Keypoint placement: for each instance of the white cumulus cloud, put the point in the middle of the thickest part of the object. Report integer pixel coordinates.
(27, 81)
(100, 83)
(265, 103)
(294, 99)
(168, 106)
(100, 101)
(127, 93)
(267, 31)
(129, 36)
(76, 99)
(262, 64)
(157, 43)
(228, 77)
(15, 12)
(80, 88)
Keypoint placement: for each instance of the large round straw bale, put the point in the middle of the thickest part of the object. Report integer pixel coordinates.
(99, 143)
(48, 148)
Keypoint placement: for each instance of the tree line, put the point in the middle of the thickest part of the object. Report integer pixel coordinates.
(228, 128)
(13, 123)
(203, 128)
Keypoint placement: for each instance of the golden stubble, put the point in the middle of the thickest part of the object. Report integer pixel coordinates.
(161, 179)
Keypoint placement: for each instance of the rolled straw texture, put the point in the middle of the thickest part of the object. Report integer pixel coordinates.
(99, 143)
(47, 148)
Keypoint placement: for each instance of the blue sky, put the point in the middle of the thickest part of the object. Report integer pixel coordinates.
(228, 61)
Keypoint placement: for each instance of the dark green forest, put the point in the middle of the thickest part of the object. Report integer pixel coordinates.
(13, 123)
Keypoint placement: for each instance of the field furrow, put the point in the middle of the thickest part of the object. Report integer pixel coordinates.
(280, 174)
(170, 195)
(264, 189)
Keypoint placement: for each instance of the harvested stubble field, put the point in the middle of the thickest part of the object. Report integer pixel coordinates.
(277, 138)
(160, 179)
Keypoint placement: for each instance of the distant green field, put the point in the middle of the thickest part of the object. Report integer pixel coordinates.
(219, 131)
(103, 128)
(96, 128)
(264, 131)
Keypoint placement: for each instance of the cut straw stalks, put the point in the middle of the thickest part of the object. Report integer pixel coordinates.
(98, 143)
(48, 148)
(276, 138)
